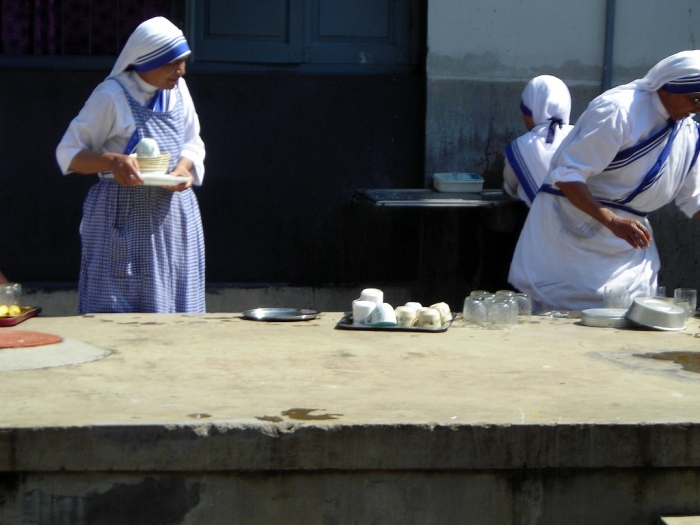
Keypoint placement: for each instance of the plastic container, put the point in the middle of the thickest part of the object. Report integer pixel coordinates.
(458, 182)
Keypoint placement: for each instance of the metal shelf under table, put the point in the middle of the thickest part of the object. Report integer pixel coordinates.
(428, 198)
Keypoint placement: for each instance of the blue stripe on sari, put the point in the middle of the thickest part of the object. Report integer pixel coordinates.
(629, 155)
(163, 55)
(521, 170)
(649, 179)
(548, 188)
(689, 84)
(655, 172)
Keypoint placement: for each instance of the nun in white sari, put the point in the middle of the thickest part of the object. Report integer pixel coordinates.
(546, 107)
(632, 151)
(142, 245)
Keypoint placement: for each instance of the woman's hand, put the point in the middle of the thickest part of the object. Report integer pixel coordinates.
(182, 169)
(126, 170)
(631, 230)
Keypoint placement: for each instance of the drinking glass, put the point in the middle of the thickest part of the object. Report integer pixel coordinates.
(617, 297)
(474, 311)
(524, 306)
(686, 297)
(501, 311)
(7, 295)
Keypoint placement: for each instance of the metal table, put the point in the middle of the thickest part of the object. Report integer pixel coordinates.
(454, 247)
(428, 198)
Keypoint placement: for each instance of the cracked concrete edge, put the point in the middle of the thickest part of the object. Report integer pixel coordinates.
(255, 446)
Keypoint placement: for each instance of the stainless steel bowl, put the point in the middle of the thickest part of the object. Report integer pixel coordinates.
(657, 314)
(605, 317)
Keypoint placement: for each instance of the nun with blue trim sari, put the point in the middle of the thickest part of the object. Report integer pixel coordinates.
(632, 151)
(545, 105)
(142, 245)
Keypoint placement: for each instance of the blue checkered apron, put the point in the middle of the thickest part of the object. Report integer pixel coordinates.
(143, 246)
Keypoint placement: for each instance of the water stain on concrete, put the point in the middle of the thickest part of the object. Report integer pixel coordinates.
(690, 361)
(272, 419)
(304, 414)
(198, 415)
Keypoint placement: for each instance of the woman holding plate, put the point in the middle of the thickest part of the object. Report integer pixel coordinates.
(142, 245)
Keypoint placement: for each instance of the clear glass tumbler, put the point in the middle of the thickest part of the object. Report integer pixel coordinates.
(688, 298)
(524, 306)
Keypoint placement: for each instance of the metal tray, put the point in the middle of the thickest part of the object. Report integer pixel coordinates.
(346, 324)
(26, 313)
(280, 314)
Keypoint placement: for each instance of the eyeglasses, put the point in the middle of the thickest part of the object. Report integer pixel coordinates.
(696, 102)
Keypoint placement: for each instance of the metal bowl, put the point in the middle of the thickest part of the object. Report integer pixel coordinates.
(605, 317)
(657, 314)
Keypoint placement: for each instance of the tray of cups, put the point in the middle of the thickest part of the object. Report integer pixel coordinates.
(14, 316)
(346, 323)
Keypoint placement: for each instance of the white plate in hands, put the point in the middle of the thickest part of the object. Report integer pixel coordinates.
(162, 179)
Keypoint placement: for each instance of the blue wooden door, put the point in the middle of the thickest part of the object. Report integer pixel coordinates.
(331, 32)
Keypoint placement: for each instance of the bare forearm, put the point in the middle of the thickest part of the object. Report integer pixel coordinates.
(89, 162)
(581, 197)
(631, 230)
(124, 167)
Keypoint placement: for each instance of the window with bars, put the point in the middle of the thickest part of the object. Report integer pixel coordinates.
(76, 27)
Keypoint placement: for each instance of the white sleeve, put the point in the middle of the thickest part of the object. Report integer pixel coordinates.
(688, 196)
(193, 146)
(590, 147)
(510, 180)
(102, 125)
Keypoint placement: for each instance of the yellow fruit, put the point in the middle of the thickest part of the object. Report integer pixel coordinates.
(4, 309)
(15, 310)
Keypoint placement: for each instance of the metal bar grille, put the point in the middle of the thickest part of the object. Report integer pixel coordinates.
(76, 27)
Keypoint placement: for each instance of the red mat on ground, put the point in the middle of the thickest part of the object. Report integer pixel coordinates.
(23, 339)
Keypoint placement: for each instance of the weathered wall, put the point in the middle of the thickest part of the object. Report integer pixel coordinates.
(542, 496)
(482, 53)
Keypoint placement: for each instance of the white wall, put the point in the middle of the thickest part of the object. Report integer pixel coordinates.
(518, 39)
(513, 39)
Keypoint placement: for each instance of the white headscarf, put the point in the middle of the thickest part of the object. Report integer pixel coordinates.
(679, 73)
(547, 99)
(154, 43)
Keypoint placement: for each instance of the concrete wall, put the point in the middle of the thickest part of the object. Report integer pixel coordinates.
(526, 496)
(482, 53)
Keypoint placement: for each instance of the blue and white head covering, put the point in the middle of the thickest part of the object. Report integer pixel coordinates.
(153, 43)
(679, 73)
(547, 99)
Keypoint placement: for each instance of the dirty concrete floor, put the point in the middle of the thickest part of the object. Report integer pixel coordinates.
(176, 369)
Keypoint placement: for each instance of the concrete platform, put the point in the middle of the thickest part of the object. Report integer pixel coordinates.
(215, 419)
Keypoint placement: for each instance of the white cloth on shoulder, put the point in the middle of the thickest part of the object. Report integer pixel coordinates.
(547, 100)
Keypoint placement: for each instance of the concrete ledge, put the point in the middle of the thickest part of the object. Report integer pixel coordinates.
(58, 301)
(279, 447)
(197, 417)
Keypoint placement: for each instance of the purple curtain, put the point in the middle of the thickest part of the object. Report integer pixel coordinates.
(72, 27)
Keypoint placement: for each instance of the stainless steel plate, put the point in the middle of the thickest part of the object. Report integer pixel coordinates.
(280, 314)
